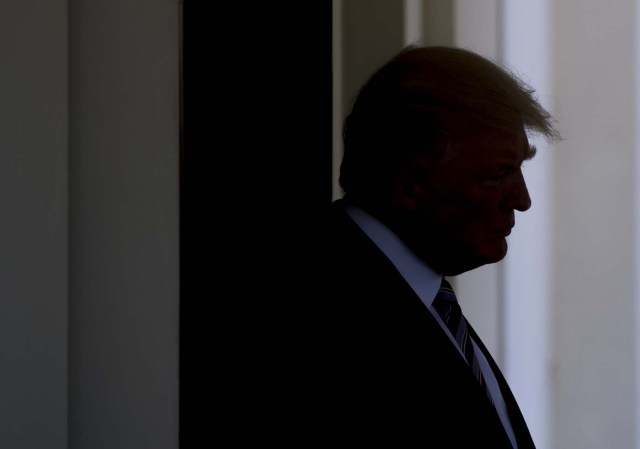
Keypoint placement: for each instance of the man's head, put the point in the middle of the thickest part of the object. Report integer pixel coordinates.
(433, 146)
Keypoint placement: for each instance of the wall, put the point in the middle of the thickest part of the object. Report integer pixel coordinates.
(89, 276)
(123, 217)
(594, 303)
(33, 229)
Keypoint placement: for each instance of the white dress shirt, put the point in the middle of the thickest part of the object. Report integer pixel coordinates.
(425, 283)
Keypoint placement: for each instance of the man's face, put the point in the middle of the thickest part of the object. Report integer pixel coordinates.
(465, 210)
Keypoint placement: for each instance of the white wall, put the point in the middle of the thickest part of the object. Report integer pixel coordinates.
(594, 310)
(33, 228)
(124, 289)
(89, 237)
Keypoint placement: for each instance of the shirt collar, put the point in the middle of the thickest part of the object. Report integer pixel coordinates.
(423, 280)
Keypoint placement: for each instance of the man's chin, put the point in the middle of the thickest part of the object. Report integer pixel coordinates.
(483, 256)
(496, 252)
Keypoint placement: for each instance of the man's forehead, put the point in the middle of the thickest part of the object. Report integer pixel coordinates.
(492, 140)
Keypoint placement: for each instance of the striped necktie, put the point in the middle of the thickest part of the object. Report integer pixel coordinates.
(446, 304)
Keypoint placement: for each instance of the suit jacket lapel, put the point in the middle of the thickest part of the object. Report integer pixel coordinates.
(515, 415)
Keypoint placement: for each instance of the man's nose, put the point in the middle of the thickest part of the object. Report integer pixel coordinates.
(518, 195)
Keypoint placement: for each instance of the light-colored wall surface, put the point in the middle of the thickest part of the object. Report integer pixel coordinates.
(593, 309)
(89, 132)
(124, 289)
(438, 22)
(33, 228)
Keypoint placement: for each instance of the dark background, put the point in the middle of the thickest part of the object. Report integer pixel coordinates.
(255, 174)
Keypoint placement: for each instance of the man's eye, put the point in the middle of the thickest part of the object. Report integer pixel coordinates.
(493, 180)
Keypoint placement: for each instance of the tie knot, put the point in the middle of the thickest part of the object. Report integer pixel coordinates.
(446, 293)
(446, 304)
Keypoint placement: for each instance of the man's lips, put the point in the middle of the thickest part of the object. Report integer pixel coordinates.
(503, 232)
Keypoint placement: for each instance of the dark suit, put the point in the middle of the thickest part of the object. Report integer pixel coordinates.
(384, 370)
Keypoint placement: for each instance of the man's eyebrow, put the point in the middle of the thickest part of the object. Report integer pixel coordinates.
(530, 152)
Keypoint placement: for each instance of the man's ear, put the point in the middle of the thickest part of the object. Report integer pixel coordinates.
(404, 192)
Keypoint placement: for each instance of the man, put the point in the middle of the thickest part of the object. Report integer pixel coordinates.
(431, 175)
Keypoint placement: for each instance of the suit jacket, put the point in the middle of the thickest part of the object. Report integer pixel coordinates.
(382, 370)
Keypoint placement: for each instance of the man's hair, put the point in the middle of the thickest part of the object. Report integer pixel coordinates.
(425, 96)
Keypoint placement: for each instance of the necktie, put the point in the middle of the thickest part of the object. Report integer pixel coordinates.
(446, 304)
